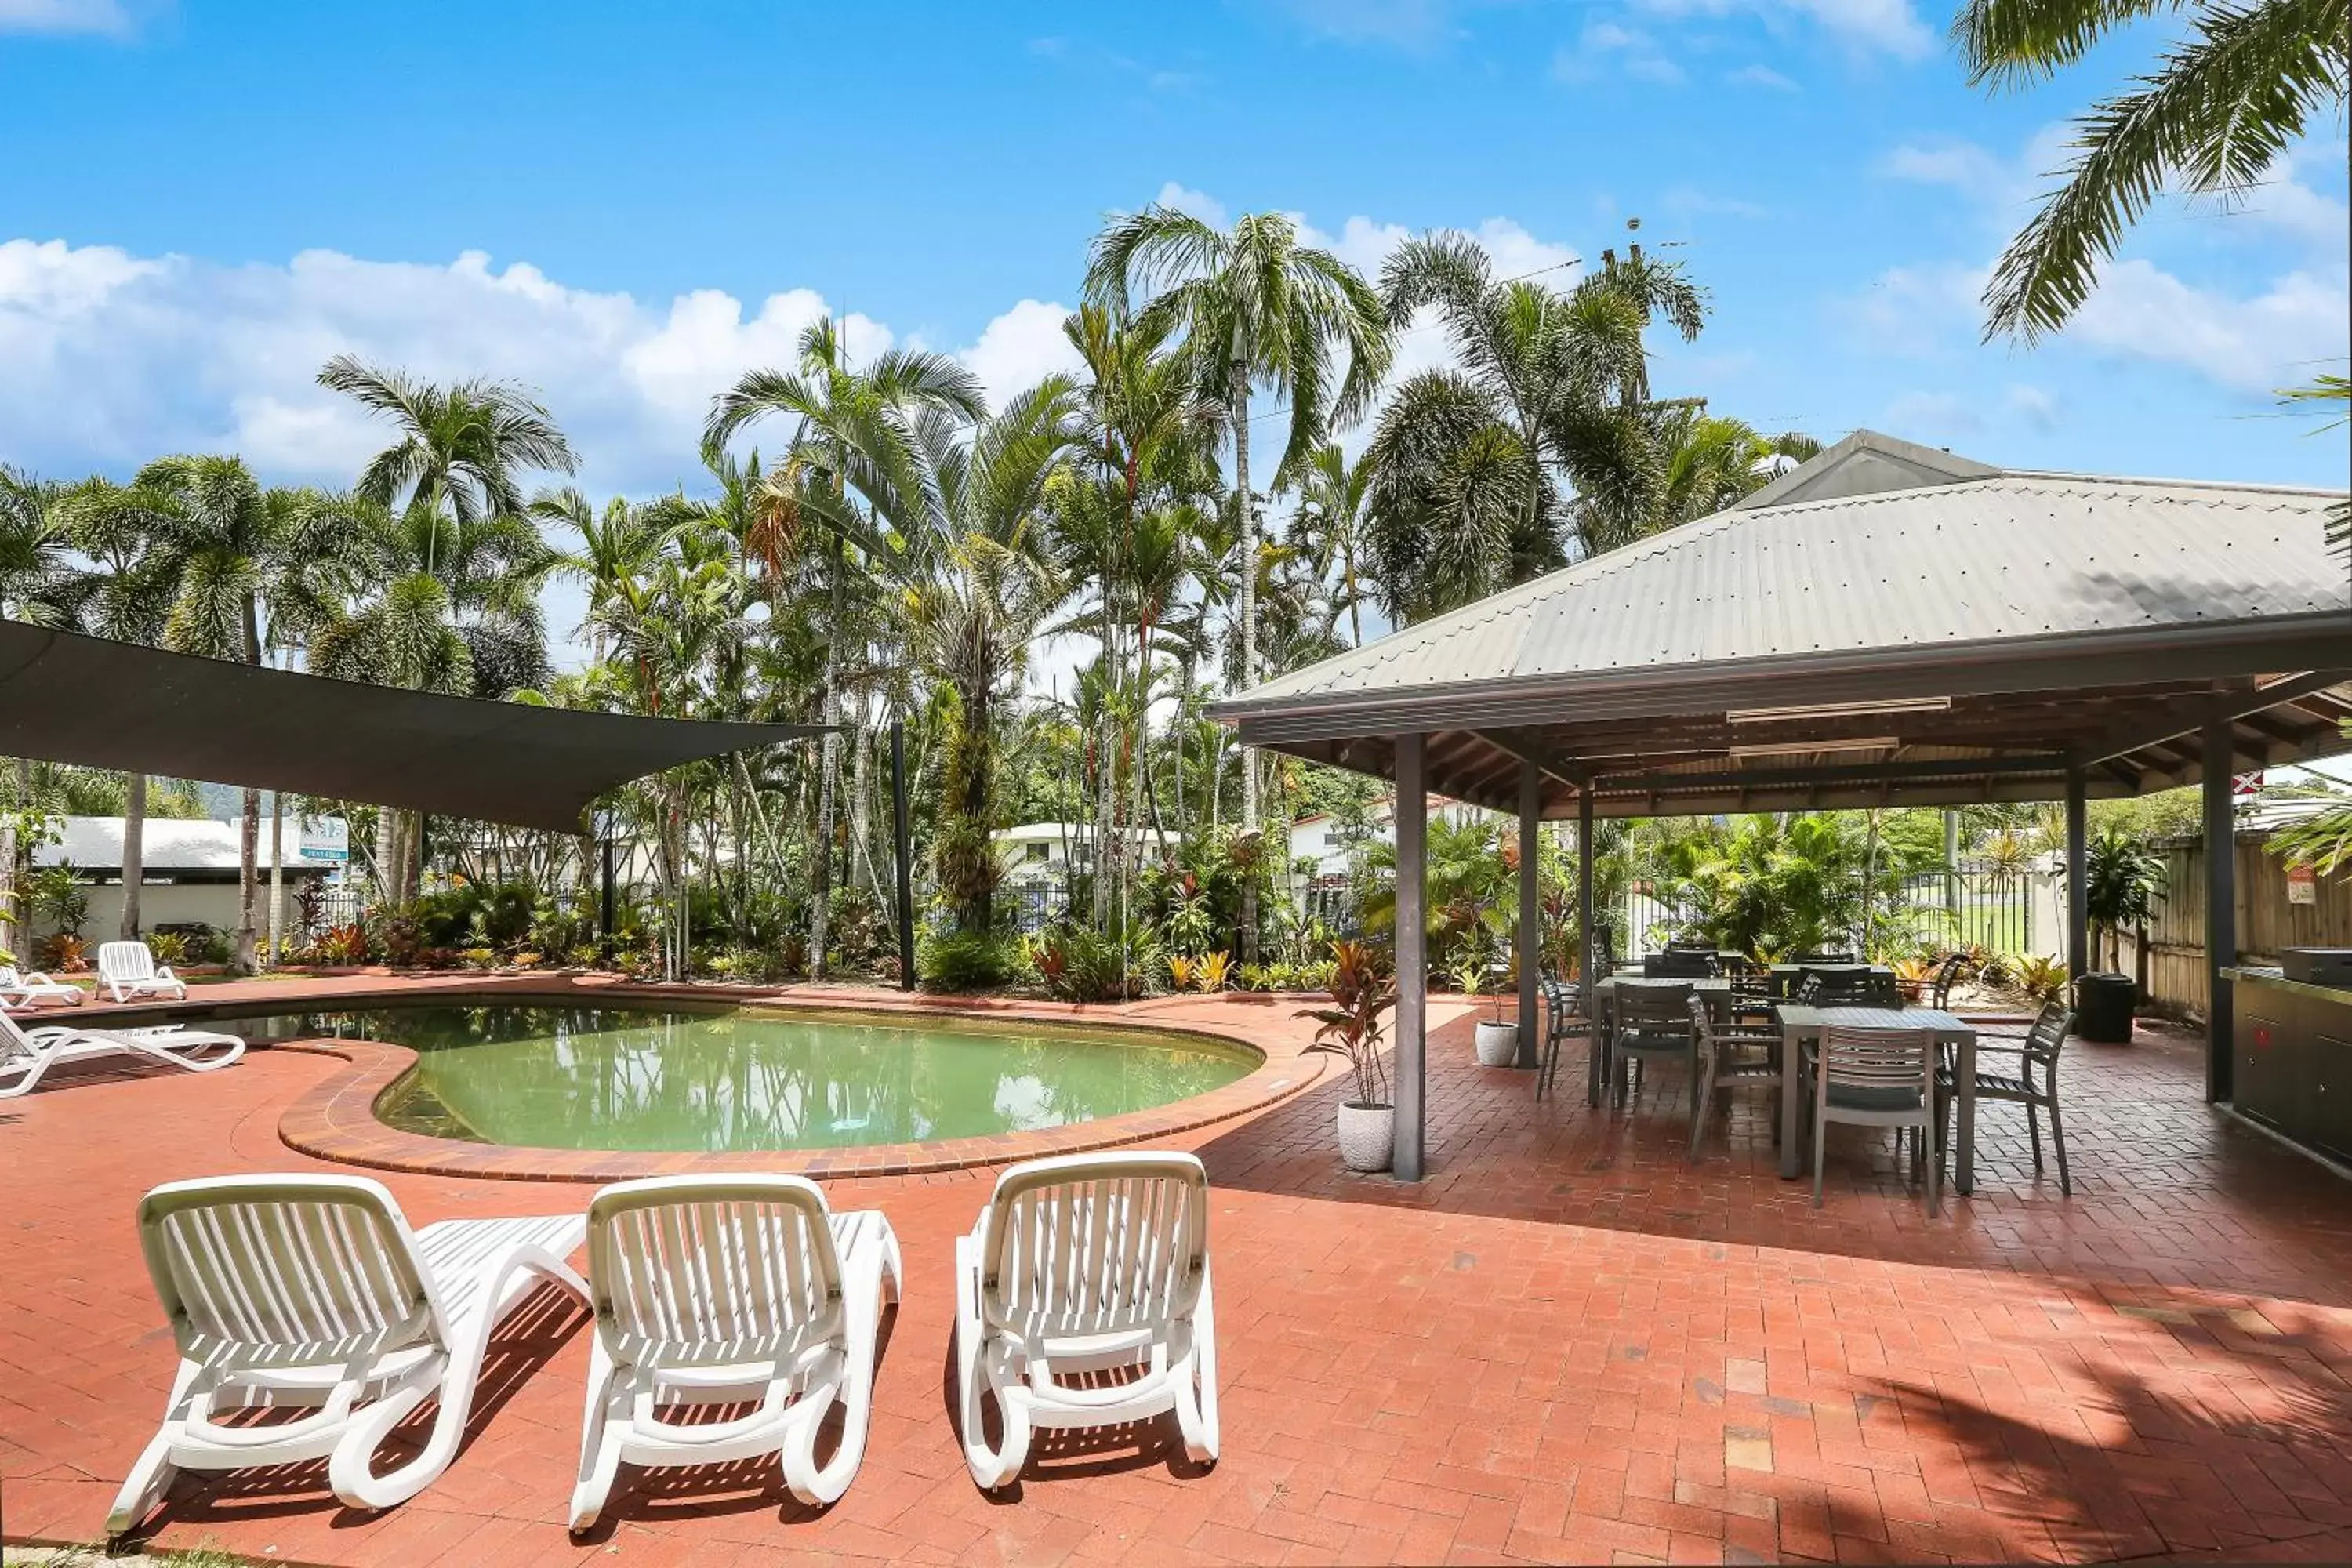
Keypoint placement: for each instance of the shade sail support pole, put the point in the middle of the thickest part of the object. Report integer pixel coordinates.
(2220, 903)
(902, 843)
(1530, 929)
(1584, 931)
(1412, 957)
(2078, 877)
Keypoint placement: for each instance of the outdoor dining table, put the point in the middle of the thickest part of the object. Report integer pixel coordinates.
(1802, 1026)
(1714, 991)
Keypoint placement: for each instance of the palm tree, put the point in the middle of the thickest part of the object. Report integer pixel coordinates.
(854, 464)
(115, 528)
(1464, 497)
(462, 450)
(983, 591)
(1710, 461)
(1257, 307)
(1329, 525)
(37, 585)
(2224, 104)
(229, 548)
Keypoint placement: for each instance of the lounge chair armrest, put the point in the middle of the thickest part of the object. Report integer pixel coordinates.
(163, 971)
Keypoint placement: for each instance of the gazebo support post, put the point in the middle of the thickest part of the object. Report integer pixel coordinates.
(1410, 1091)
(901, 842)
(2078, 878)
(1531, 915)
(1584, 929)
(2221, 901)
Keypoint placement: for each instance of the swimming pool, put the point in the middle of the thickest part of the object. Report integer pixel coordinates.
(661, 1079)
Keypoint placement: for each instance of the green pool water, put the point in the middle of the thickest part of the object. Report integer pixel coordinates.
(574, 1078)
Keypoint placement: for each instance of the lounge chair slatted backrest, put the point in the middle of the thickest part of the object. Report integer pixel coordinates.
(1102, 1255)
(289, 1275)
(739, 1264)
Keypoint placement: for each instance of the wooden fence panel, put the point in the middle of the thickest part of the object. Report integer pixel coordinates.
(2266, 922)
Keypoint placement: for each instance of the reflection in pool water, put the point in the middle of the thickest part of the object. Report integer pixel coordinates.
(579, 1077)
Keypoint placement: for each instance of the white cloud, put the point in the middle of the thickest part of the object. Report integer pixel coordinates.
(1021, 348)
(1761, 75)
(1889, 26)
(107, 17)
(1400, 24)
(2252, 344)
(1184, 199)
(2036, 406)
(1603, 41)
(116, 358)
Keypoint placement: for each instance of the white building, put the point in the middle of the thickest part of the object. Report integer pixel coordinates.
(1043, 852)
(188, 872)
(1332, 846)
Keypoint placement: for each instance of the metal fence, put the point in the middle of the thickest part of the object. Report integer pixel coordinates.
(1036, 904)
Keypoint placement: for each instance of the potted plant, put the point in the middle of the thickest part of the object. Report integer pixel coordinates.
(1498, 1041)
(1360, 994)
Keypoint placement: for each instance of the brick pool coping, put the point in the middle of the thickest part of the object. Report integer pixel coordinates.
(335, 1119)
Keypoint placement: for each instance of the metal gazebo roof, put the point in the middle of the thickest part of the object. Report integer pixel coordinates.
(1886, 624)
(71, 699)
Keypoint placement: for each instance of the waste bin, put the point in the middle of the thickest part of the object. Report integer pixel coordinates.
(2103, 1008)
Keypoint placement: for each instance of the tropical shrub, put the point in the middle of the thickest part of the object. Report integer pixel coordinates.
(2123, 884)
(964, 960)
(340, 945)
(63, 952)
(2040, 977)
(168, 946)
(1211, 975)
(480, 957)
(1179, 971)
(1082, 964)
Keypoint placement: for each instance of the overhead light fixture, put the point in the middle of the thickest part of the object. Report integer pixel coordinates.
(1807, 748)
(1840, 709)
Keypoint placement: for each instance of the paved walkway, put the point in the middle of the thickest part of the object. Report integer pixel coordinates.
(1566, 1345)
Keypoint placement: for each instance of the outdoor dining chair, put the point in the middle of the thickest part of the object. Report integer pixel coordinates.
(1878, 1077)
(1680, 964)
(1564, 1018)
(1653, 1021)
(1948, 975)
(1731, 1057)
(2039, 1049)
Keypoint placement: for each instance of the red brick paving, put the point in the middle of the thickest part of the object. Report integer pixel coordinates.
(1566, 1345)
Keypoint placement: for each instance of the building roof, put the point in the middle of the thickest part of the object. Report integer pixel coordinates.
(2030, 616)
(166, 845)
(1041, 830)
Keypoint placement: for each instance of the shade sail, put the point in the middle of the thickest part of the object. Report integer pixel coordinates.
(70, 699)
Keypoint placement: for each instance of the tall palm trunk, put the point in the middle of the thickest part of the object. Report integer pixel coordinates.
(249, 841)
(1248, 532)
(134, 852)
(820, 866)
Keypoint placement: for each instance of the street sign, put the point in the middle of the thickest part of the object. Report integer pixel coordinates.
(2302, 885)
(325, 840)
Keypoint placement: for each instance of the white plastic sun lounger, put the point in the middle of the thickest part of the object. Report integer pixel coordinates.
(128, 970)
(731, 1290)
(311, 1291)
(27, 1054)
(23, 990)
(1087, 1264)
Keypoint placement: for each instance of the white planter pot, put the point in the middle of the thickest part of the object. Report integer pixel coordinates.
(1498, 1044)
(1367, 1136)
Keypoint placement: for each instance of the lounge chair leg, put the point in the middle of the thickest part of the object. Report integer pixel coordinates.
(600, 1443)
(1196, 1395)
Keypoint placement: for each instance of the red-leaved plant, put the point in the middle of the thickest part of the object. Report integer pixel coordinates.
(1362, 992)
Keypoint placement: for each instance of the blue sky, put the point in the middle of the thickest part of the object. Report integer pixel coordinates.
(623, 208)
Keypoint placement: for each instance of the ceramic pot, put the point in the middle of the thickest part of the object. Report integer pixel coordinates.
(1498, 1044)
(1367, 1136)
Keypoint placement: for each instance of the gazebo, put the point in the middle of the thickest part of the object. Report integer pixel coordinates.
(1886, 624)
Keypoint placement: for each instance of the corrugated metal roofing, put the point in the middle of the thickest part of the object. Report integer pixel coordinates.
(1948, 561)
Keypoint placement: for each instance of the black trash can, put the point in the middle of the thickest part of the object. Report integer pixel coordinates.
(2103, 1008)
